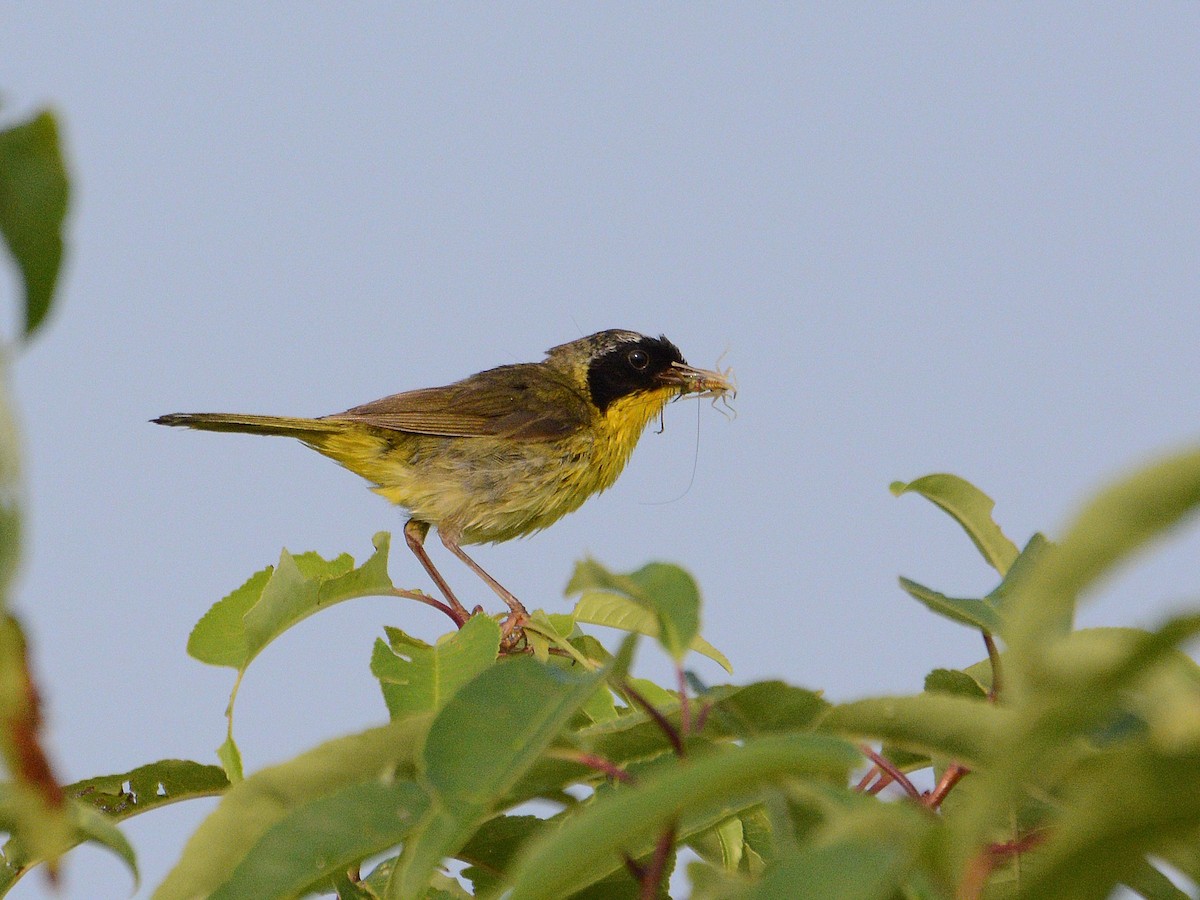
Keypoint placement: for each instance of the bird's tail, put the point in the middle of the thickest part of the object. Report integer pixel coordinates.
(285, 426)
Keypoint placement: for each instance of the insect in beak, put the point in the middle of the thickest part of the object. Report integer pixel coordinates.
(701, 383)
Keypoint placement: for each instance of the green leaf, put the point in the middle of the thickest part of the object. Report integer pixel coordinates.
(250, 808)
(975, 613)
(1030, 557)
(1116, 523)
(481, 743)
(1151, 884)
(668, 592)
(724, 844)
(416, 677)
(955, 683)
(149, 787)
(96, 803)
(735, 713)
(1099, 689)
(228, 753)
(971, 508)
(491, 849)
(1120, 806)
(318, 839)
(237, 628)
(33, 205)
(966, 730)
(853, 869)
(764, 707)
(710, 882)
(589, 845)
(86, 825)
(616, 611)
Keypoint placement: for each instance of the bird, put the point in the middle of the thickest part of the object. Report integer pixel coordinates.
(503, 453)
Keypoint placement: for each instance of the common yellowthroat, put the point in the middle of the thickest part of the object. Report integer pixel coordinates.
(503, 453)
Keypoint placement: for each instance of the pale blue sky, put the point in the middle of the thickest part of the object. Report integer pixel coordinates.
(952, 237)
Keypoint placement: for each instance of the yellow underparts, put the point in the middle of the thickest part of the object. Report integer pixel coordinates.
(485, 489)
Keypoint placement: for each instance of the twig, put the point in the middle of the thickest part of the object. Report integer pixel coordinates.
(952, 776)
(866, 779)
(884, 780)
(979, 869)
(597, 762)
(653, 874)
(663, 723)
(994, 659)
(890, 768)
(422, 597)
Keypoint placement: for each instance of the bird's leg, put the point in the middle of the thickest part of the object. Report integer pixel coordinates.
(519, 615)
(414, 535)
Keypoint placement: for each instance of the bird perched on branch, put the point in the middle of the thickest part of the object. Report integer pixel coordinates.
(503, 453)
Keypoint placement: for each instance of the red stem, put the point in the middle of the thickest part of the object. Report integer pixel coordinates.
(667, 728)
(653, 876)
(422, 597)
(889, 767)
(950, 778)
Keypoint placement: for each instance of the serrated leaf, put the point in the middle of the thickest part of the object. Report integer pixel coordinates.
(589, 845)
(237, 628)
(971, 508)
(666, 591)
(317, 839)
(618, 611)
(481, 743)
(33, 205)
(955, 683)
(975, 613)
(251, 807)
(416, 677)
(954, 727)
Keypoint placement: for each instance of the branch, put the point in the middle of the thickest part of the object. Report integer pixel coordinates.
(662, 721)
(422, 597)
(890, 769)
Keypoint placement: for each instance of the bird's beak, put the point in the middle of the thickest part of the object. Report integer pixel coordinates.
(701, 382)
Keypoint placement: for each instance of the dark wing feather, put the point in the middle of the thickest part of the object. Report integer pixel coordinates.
(521, 402)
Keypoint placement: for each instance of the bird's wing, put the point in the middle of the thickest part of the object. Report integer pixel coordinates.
(521, 402)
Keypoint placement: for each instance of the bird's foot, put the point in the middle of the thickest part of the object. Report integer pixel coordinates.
(512, 631)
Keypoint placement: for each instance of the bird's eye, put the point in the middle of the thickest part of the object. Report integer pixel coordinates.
(639, 359)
